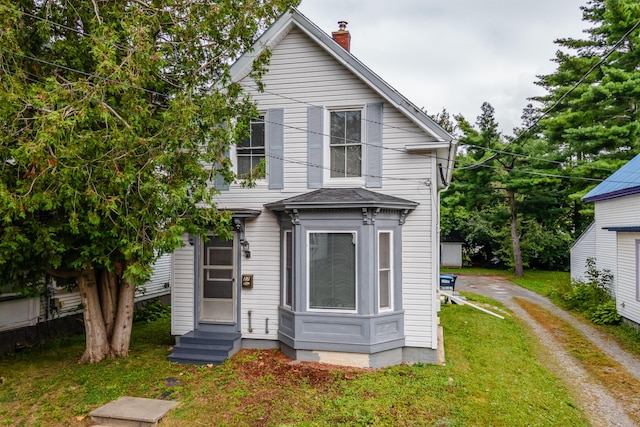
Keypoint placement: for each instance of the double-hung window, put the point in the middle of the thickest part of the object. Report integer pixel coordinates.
(385, 270)
(346, 144)
(287, 292)
(332, 270)
(251, 150)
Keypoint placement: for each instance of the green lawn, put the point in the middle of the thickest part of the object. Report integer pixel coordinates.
(492, 378)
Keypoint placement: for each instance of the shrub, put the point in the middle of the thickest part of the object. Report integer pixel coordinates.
(152, 311)
(593, 298)
(606, 314)
(584, 297)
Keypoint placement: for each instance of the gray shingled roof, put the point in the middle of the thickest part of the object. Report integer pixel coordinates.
(335, 198)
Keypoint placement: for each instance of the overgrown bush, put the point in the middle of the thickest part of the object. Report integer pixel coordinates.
(592, 298)
(152, 311)
(584, 297)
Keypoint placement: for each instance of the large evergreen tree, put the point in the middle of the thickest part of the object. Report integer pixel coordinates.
(506, 198)
(593, 121)
(111, 115)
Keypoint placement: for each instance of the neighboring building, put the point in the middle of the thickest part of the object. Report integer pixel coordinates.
(451, 250)
(451, 254)
(613, 239)
(336, 252)
(25, 321)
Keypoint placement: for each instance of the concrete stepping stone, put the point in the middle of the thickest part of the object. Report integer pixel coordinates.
(132, 412)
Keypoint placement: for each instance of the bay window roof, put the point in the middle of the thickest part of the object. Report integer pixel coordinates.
(341, 198)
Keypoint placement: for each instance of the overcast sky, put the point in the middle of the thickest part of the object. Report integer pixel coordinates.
(456, 54)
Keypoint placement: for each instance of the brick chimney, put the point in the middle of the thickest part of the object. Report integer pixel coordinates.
(342, 36)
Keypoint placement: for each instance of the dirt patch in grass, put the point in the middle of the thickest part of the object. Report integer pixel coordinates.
(255, 364)
(622, 386)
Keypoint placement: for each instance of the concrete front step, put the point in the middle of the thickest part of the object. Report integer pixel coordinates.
(132, 412)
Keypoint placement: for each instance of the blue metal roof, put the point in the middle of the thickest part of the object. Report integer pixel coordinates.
(624, 182)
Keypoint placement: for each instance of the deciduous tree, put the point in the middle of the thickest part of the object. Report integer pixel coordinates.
(112, 115)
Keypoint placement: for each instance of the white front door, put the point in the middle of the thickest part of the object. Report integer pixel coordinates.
(217, 284)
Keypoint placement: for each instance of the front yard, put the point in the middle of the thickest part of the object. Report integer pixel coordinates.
(492, 377)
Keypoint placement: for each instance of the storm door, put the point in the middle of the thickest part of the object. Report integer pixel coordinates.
(217, 284)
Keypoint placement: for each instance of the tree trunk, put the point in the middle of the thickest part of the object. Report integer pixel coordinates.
(124, 318)
(515, 238)
(97, 342)
(108, 299)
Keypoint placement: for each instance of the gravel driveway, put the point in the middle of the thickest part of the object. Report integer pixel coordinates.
(599, 405)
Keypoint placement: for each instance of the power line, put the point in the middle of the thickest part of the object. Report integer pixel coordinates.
(93, 75)
(125, 48)
(289, 126)
(575, 86)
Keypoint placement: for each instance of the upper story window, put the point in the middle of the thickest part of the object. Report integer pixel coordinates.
(251, 151)
(346, 144)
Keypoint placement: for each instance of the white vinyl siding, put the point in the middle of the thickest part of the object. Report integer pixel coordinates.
(627, 289)
(304, 74)
(583, 249)
(618, 212)
(182, 294)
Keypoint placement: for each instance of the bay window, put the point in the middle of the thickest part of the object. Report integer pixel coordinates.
(332, 270)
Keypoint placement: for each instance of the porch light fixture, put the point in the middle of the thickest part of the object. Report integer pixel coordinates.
(246, 248)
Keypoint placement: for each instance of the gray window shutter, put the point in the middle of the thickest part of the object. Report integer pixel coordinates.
(220, 184)
(315, 139)
(373, 117)
(275, 141)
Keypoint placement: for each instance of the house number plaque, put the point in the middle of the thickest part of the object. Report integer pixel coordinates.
(247, 281)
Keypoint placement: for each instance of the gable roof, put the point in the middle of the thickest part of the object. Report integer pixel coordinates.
(624, 182)
(283, 25)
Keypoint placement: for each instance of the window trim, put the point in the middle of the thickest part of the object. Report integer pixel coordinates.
(391, 271)
(326, 151)
(354, 233)
(265, 120)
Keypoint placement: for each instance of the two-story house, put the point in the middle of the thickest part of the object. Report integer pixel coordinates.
(336, 252)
